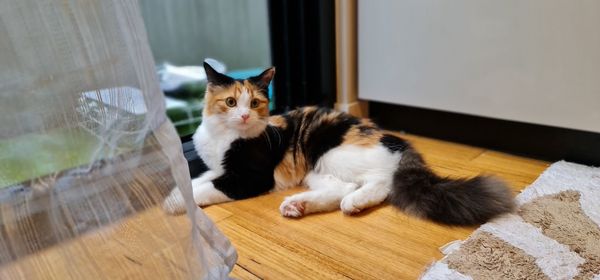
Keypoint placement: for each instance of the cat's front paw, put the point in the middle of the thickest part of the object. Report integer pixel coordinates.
(174, 204)
(292, 208)
(348, 206)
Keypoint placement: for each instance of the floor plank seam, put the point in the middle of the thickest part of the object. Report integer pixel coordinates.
(247, 270)
(223, 219)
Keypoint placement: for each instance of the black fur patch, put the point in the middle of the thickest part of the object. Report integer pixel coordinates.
(393, 143)
(215, 78)
(250, 164)
(327, 135)
(195, 164)
(419, 191)
(262, 81)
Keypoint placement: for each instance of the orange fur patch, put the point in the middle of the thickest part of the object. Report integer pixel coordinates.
(365, 134)
(290, 173)
(214, 99)
(278, 121)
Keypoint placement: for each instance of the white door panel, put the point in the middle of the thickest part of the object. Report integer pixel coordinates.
(534, 61)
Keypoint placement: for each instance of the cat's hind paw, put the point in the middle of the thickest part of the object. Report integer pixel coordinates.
(292, 208)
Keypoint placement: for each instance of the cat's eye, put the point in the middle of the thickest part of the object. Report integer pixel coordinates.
(254, 103)
(230, 101)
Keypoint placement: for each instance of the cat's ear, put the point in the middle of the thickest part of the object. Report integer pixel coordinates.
(215, 78)
(264, 78)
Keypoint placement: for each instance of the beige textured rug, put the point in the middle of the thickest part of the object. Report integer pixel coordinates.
(554, 235)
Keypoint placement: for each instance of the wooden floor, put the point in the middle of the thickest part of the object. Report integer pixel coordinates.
(381, 243)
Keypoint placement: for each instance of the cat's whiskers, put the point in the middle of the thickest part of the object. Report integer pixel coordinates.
(266, 121)
(278, 135)
(265, 133)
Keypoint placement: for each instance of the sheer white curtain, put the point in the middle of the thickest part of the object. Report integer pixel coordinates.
(87, 154)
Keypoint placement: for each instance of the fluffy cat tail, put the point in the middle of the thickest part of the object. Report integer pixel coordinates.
(419, 191)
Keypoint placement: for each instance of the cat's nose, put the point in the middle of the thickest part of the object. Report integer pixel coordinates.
(245, 117)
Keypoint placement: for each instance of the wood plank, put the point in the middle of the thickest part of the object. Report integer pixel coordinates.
(519, 172)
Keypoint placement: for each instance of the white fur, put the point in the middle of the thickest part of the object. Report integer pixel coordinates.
(211, 140)
(369, 169)
(325, 195)
(206, 194)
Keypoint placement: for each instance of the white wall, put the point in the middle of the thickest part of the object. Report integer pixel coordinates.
(535, 61)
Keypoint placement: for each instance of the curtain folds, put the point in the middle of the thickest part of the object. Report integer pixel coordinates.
(87, 154)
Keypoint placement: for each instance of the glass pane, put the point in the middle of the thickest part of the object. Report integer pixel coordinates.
(183, 34)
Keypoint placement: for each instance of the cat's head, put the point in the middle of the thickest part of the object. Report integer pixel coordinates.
(242, 105)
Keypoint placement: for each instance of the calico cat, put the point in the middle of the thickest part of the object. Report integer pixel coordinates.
(346, 162)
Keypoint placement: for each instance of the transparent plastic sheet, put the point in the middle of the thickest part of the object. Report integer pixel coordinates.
(87, 154)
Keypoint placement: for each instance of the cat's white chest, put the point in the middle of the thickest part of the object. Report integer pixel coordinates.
(212, 143)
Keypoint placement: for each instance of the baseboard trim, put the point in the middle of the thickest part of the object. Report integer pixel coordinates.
(532, 140)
